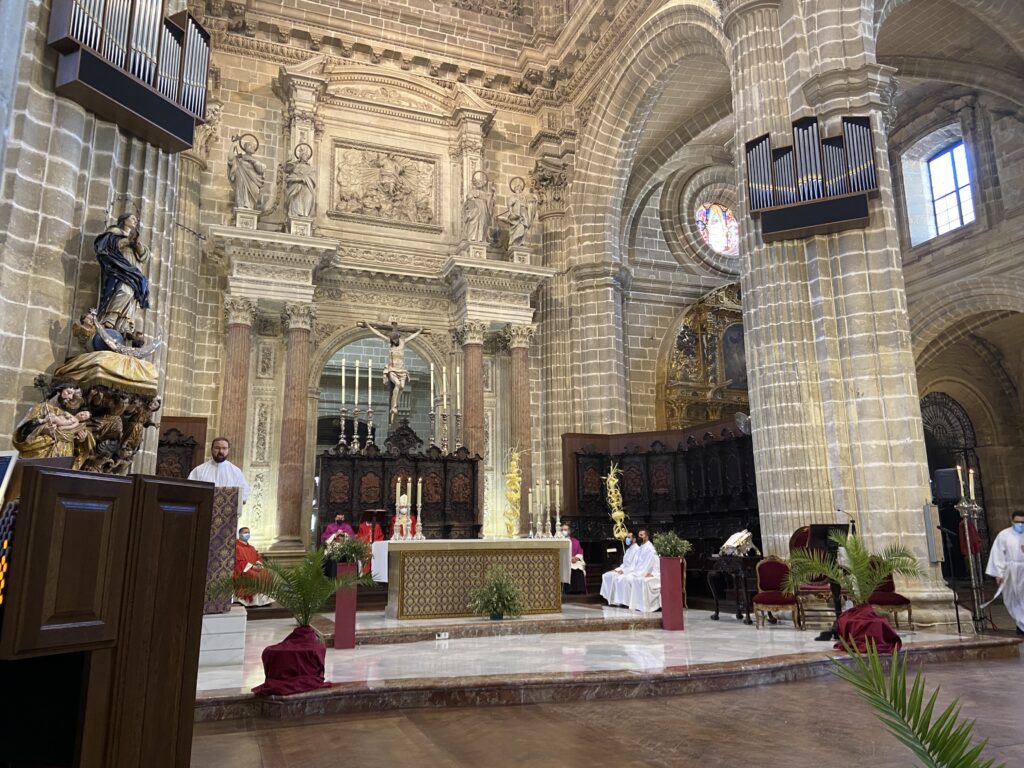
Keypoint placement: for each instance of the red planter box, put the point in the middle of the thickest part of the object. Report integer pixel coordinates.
(345, 610)
(671, 593)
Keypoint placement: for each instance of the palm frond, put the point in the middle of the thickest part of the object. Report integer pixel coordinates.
(944, 742)
(811, 565)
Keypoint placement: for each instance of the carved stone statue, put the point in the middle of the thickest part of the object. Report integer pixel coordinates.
(522, 208)
(53, 428)
(395, 372)
(245, 172)
(300, 182)
(123, 288)
(478, 210)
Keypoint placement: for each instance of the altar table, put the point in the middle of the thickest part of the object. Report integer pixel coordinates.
(432, 579)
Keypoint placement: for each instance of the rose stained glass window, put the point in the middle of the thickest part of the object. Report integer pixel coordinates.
(719, 228)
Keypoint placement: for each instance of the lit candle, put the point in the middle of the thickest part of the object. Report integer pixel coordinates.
(960, 477)
(419, 494)
(431, 386)
(970, 478)
(529, 499)
(355, 400)
(547, 495)
(343, 382)
(458, 388)
(369, 383)
(558, 494)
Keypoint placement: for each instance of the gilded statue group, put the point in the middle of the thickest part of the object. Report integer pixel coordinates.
(102, 428)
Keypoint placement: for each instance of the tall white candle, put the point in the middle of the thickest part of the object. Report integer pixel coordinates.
(970, 478)
(444, 388)
(398, 491)
(419, 493)
(343, 382)
(558, 494)
(960, 477)
(529, 500)
(355, 400)
(369, 383)
(547, 495)
(431, 386)
(458, 388)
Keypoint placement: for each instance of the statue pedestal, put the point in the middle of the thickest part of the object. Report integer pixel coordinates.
(246, 218)
(520, 254)
(302, 227)
(473, 250)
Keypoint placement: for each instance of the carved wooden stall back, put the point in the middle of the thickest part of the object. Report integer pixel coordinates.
(101, 619)
(698, 482)
(364, 482)
(181, 447)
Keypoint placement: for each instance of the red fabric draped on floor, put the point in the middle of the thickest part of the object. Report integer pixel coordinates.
(860, 624)
(294, 665)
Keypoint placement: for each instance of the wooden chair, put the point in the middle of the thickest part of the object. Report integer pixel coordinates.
(771, 576)
(887, 600)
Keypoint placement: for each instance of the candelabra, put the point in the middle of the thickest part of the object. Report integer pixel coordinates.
(342, 445)
(355, 445)
(458, 429)
(433, 423)
(970, 512)
(444, 432)
(369, 425)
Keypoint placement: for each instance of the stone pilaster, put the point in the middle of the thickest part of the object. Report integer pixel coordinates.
(304, 130)
(298, 322)
(240, 313)
(471, 336)
(518, 338)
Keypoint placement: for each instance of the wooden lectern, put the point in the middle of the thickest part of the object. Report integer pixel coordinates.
(100, 619)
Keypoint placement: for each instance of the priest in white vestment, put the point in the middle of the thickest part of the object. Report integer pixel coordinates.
(221, 472)
(1006, 563)
(609, 579)
(639, 560)
(630, 588)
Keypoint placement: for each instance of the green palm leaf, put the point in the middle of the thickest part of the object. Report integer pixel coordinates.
(942, 743)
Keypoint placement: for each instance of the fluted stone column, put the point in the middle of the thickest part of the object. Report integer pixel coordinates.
(240, 313)
(298, 322)
(518, 337)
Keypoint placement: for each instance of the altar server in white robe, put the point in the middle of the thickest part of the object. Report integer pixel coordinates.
(1006, 563)
(609, 579)
(221, 472)
(630, 589)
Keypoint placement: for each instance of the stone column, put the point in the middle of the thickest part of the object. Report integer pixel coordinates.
(471, 336)
(518, 337)
(298, 322)
(240, 313)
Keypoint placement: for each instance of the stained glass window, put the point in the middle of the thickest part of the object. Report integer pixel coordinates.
(951, 189)
(719, 228)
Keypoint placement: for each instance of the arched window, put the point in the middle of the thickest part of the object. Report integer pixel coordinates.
(719, 228)
(950, 179)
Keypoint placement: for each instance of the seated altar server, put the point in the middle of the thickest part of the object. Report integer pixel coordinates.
(248, 560)
(630, 586)
(221, 472)
(368, 533)
(577, 565)
(611, 579)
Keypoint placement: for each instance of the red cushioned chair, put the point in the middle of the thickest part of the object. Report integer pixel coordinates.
(813, 597)
(771, 576)
(887, 600)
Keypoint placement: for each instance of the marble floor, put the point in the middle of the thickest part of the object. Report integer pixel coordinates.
(793, 725)
(633, 651)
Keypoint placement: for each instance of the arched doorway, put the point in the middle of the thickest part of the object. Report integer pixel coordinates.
(950, 441)
(414, 403)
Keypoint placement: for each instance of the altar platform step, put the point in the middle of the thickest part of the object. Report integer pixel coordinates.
(553, 667)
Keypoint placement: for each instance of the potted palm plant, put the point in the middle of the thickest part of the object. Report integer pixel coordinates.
(344, 554)
(498, 596)
(859, 575)
(672, 566)
(296, 664)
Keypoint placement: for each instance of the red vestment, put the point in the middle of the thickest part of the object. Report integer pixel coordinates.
(368, 535)
(246, 555)
(391, 528)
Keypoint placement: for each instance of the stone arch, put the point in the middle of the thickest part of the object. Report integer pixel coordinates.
(342, 337)
(1007, 17)
(942, 316)
(608, 144)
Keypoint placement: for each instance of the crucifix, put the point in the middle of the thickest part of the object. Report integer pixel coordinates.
(395, 372)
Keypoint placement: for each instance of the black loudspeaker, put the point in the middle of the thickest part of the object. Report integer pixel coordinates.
(946, 485)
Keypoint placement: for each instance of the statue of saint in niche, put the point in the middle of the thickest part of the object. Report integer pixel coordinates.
(245, 172)
(522, 208)
(734, 355)
(395, 372)
(478, 210)
(300, 182)
(123, 288)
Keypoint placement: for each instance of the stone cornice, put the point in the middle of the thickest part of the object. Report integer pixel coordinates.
(838, 91)
(497, 275)
(264, 247)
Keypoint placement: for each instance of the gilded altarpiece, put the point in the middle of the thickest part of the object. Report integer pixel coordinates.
(706, 377)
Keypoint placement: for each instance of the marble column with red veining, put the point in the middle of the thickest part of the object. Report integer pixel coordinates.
(518, 337)
(240, 313)
(298, 322)
(471, 335)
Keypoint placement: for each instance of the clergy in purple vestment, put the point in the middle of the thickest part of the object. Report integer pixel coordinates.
(578, 566)
(339, 526)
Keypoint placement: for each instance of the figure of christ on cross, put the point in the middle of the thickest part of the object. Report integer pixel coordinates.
(395, 372)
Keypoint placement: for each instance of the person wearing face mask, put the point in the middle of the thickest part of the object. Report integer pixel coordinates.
(338, 528)
(1006, 563)
(611, 581)
(577, 565)
(630, 588)
(248, 560)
